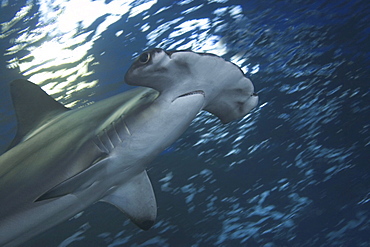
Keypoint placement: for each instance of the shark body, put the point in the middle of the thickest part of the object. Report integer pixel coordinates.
(61, 160)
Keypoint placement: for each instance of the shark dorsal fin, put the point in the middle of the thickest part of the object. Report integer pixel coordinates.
(32, 106)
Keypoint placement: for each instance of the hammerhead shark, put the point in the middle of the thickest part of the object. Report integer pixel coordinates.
(63, 160)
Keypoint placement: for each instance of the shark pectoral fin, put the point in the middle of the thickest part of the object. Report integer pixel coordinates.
(73, 184)
(136, 199)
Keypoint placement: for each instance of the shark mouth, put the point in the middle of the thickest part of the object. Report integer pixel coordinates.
(192, 93)
(201, 92)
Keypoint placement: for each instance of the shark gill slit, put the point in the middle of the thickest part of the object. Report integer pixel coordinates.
(111, 137)
(126, 128)
(119, 130)
(109, 140)
(98, 142)
(116, 132)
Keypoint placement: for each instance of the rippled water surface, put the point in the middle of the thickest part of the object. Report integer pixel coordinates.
(294, 172)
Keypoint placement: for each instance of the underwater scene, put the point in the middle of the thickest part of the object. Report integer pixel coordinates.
(295, 171)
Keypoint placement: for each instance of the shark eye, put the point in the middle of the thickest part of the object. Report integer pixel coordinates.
(144, 58)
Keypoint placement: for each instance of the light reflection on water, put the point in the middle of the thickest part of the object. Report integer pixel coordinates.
(60, 39)
(63, 38)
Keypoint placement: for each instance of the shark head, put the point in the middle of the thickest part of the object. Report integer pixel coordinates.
(228, 94)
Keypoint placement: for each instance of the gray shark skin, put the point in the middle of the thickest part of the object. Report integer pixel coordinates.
(62, 160)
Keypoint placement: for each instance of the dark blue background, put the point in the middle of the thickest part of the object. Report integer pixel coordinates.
(301, 176)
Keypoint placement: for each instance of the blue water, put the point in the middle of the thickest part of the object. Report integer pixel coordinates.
(295, 172)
